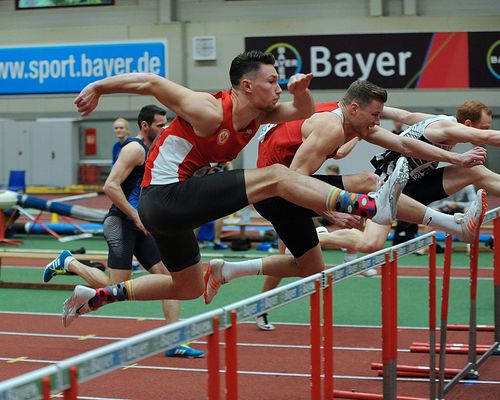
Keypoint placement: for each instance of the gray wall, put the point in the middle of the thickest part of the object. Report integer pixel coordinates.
(230, 21)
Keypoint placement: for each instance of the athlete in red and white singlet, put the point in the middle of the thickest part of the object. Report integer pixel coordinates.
(278, 143)
(179, 153)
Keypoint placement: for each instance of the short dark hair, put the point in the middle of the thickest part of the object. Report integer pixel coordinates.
(364, 92)
(247, 62)
(472, 110)
(148, 113)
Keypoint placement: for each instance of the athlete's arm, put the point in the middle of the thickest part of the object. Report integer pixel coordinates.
(458, 133)
(346, 148)
(302, 105)
(418, 149)
(131, 156)
(322, 134)
(199, 109)
(406, 117)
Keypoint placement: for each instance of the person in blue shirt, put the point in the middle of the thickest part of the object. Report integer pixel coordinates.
(121, 129)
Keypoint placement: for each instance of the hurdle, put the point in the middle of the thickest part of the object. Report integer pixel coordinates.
(389, 259)
(472, 349)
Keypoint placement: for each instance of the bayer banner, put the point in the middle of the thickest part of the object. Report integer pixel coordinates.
(440, 60)
(68, 68)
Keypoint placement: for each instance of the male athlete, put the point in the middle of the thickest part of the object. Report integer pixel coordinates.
(429, 182)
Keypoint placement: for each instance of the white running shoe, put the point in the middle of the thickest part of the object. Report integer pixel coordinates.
(213, 279)
(263, 323)
(369, 273)
(386, 198)
(321, 229)
(352, 256)
(77, 304)
(471, 221)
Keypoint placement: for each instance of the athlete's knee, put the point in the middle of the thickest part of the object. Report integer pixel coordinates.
(371, 245)
(371, 180)
(270, 282)
(368, 182)
(187, 288)
(360, 183)
(266, 182)
(276, 172)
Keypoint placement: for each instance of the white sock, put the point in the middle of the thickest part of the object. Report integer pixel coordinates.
(67, 260)
(232, 270)
(442, 221)
(350, 256)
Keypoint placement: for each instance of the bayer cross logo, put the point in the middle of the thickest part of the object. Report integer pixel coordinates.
(493, 59)
(288, 61)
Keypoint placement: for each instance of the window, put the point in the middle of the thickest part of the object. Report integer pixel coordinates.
(32, 4)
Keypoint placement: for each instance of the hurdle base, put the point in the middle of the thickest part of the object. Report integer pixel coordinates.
(344, 394)
(32, 285)
(473, 375)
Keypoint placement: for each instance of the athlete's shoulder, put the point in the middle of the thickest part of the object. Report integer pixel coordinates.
(326, 107)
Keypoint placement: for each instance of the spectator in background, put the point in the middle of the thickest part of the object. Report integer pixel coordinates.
(122, 132)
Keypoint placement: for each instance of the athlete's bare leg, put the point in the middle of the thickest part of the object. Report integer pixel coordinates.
(456, 178)
(371, 239)
(360, 183)
(311, 193)
(97, 278)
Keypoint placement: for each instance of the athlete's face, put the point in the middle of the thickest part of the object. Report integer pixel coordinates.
(484, 122)
(156, 127)
(263, 87)
(363, 119)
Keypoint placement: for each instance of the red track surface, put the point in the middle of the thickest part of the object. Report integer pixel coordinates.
(266, 360)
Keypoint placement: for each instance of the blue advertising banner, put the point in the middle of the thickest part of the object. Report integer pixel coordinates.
(68, 68)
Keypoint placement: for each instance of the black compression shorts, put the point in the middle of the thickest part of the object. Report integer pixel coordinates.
(427, 189)
(293, 223)
(126, 240)
(171, 212)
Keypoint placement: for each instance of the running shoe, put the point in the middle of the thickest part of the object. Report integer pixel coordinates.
(263, 323)
(473, 218)
(367, 273)
(220, 246)
(136, 267)
(386, 198)
(184, 351)
(213, 279)
(78, 304)
(350, 257)
(56, 267)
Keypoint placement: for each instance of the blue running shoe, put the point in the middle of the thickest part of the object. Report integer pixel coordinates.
(220, 246)
(184, 351)
(56, 267)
